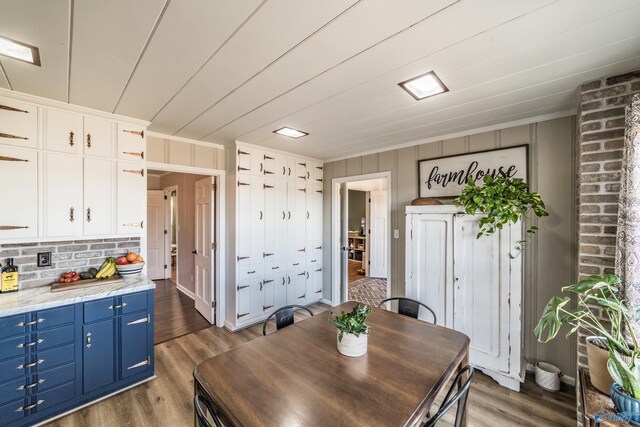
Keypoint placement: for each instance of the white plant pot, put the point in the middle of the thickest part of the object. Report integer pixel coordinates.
(351, 345)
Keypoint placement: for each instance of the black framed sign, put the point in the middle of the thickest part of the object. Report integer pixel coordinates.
(447, 176)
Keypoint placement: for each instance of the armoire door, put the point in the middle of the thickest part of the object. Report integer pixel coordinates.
(131, 192)
(243, 231)
(257, 220)
(280, 218)
(98, 137)
(63, 195)
(19, 210)
(481, 292)
(99, 196)
(271, 218)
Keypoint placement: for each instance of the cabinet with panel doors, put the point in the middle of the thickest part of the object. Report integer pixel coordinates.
(277, 206)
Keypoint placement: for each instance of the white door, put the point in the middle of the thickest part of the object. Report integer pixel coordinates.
(131, 191)
(378, 234)
(98, 139)
(204, 289)
(63, 195)
(155, 234)
(63, 131)
(243, 231)
(19, 210)
(99, 196)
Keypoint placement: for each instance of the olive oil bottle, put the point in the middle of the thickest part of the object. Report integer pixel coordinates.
(9, 277)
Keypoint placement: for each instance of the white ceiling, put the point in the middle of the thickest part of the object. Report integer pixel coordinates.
(221, 70)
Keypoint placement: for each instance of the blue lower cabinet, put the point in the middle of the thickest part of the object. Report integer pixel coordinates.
(14, 411)
(15, 346)
(55, 396)
(13, 368)
(47, 359)
(134, 335)
(13, 390)
(53, 377)
(98, 355)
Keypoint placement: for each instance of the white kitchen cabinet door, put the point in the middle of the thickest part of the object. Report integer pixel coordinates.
(99, 196)
(281, 221)
(257, 220)
(98, 137)
(131, 142)
(244, 303)
(18, 123)
(19, 207)
(298, 286)
(299, 221)
(62, 195)
(481, 293)
(301, 170)
(314, 291)
(257, 162)
(292, 193)
(131, 192)
(429, 273)
(280, 289)
(271, 218)
(281, 165)
(243, 160)
(243, 219)
(317, 173)
(63, 131)
(268, 285)
(269, 165)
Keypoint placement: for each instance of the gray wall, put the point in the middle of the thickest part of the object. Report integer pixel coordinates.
(357, 208)
(550, 259)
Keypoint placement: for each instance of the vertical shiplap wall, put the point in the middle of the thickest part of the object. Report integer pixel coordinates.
(550, 259)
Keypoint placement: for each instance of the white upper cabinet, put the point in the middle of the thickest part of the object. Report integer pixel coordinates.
(257, 219)
(19, 207)
(131, 190)
(269, 163)
(99, 196)
(243, 218)
(98, 137)
(257, 163)
(63, 131)
(281, 165)
(62, 195)
(316, 173)
(18, 123)
(244, 159)
(270, 220)
(131, 142)
(301, 170)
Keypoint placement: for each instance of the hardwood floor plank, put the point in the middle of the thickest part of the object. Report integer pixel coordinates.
(174, 313)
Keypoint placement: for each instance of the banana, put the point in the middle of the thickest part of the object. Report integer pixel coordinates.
(107, 269)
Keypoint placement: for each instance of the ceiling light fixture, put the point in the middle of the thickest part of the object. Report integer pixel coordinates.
(290, 132)
(424, 86)
(20, 51)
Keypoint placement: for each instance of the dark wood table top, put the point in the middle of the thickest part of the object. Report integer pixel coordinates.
(597, 404)
(297, 377)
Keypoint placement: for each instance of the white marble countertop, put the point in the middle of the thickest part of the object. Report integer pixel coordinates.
(41, 298)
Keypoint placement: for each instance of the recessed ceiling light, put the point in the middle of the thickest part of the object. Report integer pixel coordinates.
(20, 51)
(424, 86)
(290, 132)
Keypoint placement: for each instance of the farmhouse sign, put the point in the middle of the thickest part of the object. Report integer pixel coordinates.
(446, 176)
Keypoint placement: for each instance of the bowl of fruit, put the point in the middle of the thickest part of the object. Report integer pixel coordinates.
(130, 265)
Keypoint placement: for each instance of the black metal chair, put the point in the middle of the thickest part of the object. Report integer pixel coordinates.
(284, 317)
(450, 400)
(409, 307)
(198, 402)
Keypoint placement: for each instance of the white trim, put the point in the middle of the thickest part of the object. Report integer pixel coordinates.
(184, 169)
(50, 103)
(10, 241)
(167, 247)
(564, 378)
(325, 301)
(284, 153)
(183, 139)
(185, 291)
(77, 408)
(499, 126)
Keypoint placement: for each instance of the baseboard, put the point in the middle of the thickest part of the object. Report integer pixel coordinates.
(565, 378)
(326, 301)
(186, 291)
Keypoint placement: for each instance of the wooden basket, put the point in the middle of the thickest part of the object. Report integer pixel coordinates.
(425, 201)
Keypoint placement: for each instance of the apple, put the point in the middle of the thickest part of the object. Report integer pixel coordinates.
(122, 260)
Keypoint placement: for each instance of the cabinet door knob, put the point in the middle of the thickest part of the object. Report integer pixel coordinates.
(261, 215)
(88, 214)
(88, 140)
(71, 211)
(71, 143)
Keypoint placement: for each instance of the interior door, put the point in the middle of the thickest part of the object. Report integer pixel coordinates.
(155, 234)
(378, 234)
(344, 243)
(204, 269)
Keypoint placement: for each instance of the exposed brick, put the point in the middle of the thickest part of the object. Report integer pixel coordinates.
(597, 260)
(612, 188)
(594, 84)
(17, 245)
(598, 240)
(635, 86)
(594, 105)
(590, 229)
(610, 229)
(588, 269)
(604, 114)
(128, 244)
(589, 209)
(9, 253)
(91, 254)
(616, 144)
(61, 257)
(103, 246)
(587, 148)
(613, 166)
(589, 188)
(597, 136)
(72, 248)
(622, 78)
(591, 167)
(618, 100)
(75, 263)
(611, 209)
(589, 249)
(602, 155)
(609, 251)
(591, 126)
(598, 219)
(599, 198)
(601, 177)
(614, 123)
(34, 251)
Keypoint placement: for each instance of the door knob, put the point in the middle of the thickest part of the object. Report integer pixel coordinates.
(195, 252)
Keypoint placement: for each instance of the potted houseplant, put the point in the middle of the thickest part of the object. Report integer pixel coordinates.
(625, 389)
(352, 330)
(594, 294)
(502, 200)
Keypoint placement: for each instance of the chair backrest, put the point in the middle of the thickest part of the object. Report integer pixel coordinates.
(198, 402)
(284, 317)
(409, 307)
(451, 399)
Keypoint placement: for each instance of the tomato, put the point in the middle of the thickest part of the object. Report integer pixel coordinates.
(75, 278)
(61, 280)
(68, 275)
(67, 280)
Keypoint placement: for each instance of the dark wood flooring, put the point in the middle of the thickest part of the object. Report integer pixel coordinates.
(353, 268)
(175, 313)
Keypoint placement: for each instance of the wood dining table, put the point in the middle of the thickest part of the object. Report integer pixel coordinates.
(296, 377)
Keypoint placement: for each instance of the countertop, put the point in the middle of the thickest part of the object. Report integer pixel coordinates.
(41, 298)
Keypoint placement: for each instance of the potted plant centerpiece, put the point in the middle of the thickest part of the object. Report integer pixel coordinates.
(352, 330)
(610, 356)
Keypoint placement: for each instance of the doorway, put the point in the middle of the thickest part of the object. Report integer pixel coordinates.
(361, 226)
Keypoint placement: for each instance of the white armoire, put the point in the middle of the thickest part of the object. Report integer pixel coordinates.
(473, 285)
(275, 211)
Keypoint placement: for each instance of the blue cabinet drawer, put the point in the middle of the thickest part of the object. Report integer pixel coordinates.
(12, 325)
(12, 411)
(55, 376)
(12, 368)
(13, 390)
(54, 337)
(100, 309)
(134, 302)
(14, 346)
(55, 396)
(55, 317)
(54, 357)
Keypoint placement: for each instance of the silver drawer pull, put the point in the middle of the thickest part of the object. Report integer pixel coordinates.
(242, 287)
(143, 320)
(115, 307)
(22, 387)
(242, 315)
(26, 408)
(31, 344)
(30, 365)
(139, 364)
(88, 339)
(30, 323)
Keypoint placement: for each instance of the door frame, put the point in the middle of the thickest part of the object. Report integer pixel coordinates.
(219, 224)
(335, 231)
(167, 226)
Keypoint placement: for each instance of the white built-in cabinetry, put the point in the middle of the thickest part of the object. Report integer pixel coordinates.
(69, 172)
(472, 285)
(276, 200)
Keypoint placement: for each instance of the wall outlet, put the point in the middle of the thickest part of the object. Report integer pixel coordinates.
(44, 259)
(396, 234)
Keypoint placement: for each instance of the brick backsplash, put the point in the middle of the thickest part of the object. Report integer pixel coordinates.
(78, 255)
(601, 112)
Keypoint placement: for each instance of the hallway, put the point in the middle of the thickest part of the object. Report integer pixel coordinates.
(175, 313)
